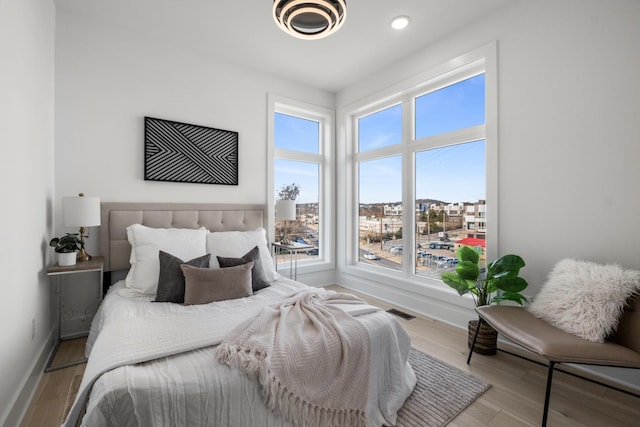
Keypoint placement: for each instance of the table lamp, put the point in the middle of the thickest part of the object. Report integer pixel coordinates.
(81, 212)
(285, 211)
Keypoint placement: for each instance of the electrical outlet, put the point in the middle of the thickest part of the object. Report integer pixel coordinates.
(33, 329)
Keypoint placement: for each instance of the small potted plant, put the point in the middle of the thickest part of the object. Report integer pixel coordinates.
(66, 247)
(499, 282)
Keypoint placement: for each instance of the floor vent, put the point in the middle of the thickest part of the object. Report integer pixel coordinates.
(401, 314)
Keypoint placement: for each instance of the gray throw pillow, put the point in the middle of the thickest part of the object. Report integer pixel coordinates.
(171, 279)
(258, 276)
(205, 285)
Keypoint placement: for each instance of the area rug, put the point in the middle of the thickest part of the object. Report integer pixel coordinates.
(442, 392)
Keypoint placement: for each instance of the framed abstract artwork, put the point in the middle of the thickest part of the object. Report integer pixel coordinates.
(181, 152)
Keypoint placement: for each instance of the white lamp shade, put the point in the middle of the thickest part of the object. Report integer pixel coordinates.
(81, 211)
(286, 210)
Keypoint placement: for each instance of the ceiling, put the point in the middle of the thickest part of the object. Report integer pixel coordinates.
(243, 32)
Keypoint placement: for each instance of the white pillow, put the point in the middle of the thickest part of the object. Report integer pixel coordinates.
(235, 244)
(584, 298)
(146, 243)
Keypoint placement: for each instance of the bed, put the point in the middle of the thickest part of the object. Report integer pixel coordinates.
(158, 363)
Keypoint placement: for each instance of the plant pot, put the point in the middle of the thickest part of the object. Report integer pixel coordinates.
(487, 342)
(66, 258)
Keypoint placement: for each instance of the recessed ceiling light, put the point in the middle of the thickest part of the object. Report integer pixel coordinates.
(400, 22)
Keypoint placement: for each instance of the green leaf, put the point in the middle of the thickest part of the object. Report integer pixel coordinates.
(511, 296)
(465, 253)
(490, 286)
(512, 284)
(468, 270)
(508, 262)
(453, 280)
(505, 266)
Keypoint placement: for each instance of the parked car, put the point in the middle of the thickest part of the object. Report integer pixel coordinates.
(369, 255)
(396, 250)
(314, 251)
(448, 262)
(441, 245)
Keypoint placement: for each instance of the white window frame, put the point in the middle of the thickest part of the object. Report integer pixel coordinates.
(482, 60)
(326, 170)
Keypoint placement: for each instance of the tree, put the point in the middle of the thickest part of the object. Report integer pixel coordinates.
(289, 192)
(398, 233)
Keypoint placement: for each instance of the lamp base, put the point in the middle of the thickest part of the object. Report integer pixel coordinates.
(83, 255)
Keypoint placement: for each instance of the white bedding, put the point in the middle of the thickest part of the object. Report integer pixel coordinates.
(192, 388)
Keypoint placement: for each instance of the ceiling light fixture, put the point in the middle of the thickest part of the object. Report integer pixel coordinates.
(400, 22)
(309, 19)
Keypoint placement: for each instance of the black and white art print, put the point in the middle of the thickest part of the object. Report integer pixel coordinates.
(180, 152)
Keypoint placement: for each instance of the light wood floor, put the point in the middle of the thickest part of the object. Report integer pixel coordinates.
(515, 398)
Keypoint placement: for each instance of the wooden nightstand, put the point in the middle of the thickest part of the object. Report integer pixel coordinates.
(94, 264)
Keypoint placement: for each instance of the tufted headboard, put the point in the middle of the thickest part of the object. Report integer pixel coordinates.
(116, 217)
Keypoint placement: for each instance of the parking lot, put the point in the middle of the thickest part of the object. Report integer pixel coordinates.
(430, 262)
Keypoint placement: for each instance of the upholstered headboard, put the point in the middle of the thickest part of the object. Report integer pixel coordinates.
(116, 217)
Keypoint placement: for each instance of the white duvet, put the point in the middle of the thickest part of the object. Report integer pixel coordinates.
(154, 364)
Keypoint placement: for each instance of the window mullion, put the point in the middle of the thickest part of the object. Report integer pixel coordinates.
(408, 178)
(298, 155)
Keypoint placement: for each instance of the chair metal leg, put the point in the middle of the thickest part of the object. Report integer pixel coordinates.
(475, 338)
(547, 395)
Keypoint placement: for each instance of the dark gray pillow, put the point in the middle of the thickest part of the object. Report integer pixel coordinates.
(171, 279)
(258, 276)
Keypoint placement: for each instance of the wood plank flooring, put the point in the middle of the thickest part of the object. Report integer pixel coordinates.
(515, 398)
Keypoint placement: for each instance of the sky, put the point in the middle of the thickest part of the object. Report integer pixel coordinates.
(451, 174)
(295, 133)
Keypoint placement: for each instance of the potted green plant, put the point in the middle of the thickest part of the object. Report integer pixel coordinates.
(500, 281)
(66, 248)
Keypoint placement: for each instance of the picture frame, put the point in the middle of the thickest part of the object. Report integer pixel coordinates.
(182, 152)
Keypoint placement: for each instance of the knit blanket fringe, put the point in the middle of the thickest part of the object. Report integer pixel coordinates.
(282, 401)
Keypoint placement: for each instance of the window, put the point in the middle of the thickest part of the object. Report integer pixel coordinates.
(455, 173)
(301, 147)
(419, 159)
(380, 129)
(380, 224)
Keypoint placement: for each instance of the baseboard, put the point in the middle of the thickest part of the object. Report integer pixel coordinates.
(16, 413)
(439, 304)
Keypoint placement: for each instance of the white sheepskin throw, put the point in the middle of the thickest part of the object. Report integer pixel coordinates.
(584, 298)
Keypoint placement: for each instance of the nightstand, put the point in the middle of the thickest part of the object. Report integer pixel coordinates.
(293, 249)
(93, 265)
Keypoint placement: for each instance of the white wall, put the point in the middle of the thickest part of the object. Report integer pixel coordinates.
(26, 175)
(568, 137)
(568, 127)
(107, 80)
